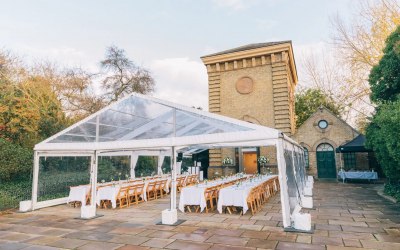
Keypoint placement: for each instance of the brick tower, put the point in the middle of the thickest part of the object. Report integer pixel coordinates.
(254, 83)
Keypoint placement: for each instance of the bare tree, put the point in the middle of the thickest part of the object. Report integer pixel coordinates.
(123, 76)
(343, 73)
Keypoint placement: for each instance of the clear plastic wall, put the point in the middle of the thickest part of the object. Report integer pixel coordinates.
(57, 174)
(293, 191)
(113, 168)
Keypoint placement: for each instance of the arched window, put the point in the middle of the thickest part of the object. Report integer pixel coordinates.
(306, 158)
(324, 147)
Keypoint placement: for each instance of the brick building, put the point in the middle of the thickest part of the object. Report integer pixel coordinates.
(254, 83)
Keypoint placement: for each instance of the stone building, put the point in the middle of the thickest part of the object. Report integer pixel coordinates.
(321, 135)
(254, 83)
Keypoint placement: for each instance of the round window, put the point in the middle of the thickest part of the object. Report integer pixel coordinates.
(323, 124)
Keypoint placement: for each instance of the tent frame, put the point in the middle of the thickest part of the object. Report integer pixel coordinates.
(251, 135)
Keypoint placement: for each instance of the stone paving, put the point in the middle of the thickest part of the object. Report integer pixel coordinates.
(347, 216)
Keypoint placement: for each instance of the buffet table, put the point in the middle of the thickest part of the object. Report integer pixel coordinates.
(363, 175)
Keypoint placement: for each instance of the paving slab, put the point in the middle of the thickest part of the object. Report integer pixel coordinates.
(186, 245)
(346, 216)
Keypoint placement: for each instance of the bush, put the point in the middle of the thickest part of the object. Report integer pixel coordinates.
(383, 137)
(11, 193)
(15, 161)
(393, 190)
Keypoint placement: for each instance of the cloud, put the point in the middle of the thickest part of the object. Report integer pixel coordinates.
(66, 56)
(265, 25)
(233, 4)
(181, 80)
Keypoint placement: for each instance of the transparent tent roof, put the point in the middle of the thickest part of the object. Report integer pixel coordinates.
(137, 117)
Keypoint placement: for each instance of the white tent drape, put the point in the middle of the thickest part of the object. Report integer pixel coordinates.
(160, 162)
(134, 159)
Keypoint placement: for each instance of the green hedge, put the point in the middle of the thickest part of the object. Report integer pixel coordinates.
(12, 192)
(393, 190)
(15, 162)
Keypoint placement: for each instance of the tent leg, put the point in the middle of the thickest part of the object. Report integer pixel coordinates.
(173, 176)
(170, 216)
(89, 212)
(35, 179)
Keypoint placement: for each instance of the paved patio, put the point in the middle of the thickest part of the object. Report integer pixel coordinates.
(347, 216)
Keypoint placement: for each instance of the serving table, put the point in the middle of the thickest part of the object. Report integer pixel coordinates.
(365, 175)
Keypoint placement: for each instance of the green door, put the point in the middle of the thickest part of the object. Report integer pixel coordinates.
(326, 161)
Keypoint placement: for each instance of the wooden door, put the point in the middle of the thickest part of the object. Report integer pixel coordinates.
(250, 163)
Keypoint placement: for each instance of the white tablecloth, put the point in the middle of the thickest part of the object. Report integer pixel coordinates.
(194, 195)
(78, 194)
(108, 193)
(358, 175)
(237, 195)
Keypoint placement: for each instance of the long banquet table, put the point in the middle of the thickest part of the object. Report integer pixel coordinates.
(236, 195)
(109, 191)
(194, 195)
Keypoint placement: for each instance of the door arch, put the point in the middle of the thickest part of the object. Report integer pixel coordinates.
(326, 165)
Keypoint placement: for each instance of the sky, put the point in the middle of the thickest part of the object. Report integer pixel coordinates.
(167, 37)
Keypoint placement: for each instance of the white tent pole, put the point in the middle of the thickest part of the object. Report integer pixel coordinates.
(35, 179)
(173, 179)
(283, 183)
(88, 212)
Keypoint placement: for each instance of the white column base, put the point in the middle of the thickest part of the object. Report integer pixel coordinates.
(169, 217)
(307, 202)
(88, 212)
(25, 206)
(302, 221)
(308, 191)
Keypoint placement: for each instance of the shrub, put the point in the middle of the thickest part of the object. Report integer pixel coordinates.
(383, 137)
(15, 161)
(393, 190)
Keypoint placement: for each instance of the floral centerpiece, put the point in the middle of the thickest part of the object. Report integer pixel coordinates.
(227, 161)
(263, 160)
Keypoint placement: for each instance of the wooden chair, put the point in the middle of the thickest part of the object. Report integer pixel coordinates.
(135, 193)
(151, 191)
(251, 201)
(180, 183)
(158, 189)
(122, 197)
(161, 191)
(209, 194)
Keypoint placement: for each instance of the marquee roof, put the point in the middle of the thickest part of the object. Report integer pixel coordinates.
(139, 122)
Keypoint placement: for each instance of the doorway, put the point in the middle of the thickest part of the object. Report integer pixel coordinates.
(250, 162)
(326, 165)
